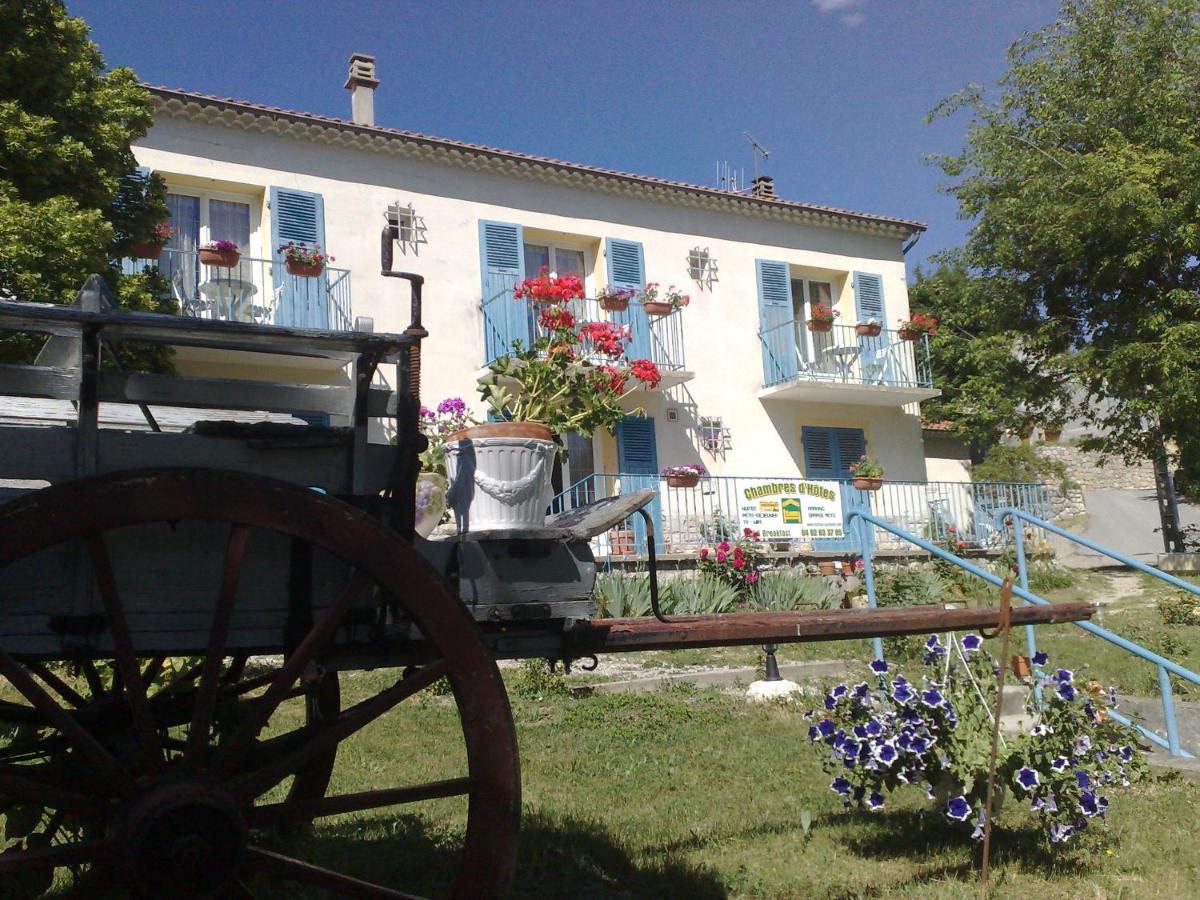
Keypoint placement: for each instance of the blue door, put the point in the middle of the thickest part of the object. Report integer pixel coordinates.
(828, 455)
(298, 216)
(637, 461)
(502, 266)
(627, 269)
(875, 361)
(775, 327)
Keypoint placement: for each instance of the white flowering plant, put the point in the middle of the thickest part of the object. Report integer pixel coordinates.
(886, 732)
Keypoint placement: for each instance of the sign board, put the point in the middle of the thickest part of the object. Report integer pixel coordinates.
(786, 510)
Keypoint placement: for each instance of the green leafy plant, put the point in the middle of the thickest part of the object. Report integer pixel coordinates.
(736, 562)
(537, 679)
(1004, 463)
(786, 589)
(1180, 609)
(700, 596)
(622, 596)
(866, 467)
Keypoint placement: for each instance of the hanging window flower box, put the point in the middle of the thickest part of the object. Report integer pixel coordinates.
(687, 476)
(153, 248)
(220, 253)
(869, 328)
(615, 299)
(867, 474)
(822, 318)
(657, 301)
(303, 260)
(919, 324)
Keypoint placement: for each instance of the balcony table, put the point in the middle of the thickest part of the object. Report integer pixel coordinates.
(843, 358)
(230, 298)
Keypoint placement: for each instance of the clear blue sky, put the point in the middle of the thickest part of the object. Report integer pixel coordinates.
(835, 89)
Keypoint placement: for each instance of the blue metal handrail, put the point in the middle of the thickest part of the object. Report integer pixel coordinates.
(858, 520)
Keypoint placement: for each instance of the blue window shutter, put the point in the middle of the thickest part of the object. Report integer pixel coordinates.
(868, 297)
(501, 266)
(298, 216)
(636, 450)
(627, 269)
(777, 337)
(830, 452)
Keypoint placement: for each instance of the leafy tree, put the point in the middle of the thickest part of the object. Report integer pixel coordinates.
(70, 195)
(1083, 181)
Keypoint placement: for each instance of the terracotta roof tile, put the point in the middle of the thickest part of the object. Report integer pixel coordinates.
(247, 106)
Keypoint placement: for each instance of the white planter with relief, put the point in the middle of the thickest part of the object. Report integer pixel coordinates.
(500, 475)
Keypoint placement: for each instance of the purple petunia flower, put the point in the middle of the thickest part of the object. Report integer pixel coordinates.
(878, 666)
(839, 691)
(1066, 692)
(972, 642)
(1126, 753)
(1028, 778)
(1088, 805)
(977, 834)
(958, 809)
(1082, 745)
(902, 693)
(1059, 764)
(1039, 730)
(840, 785)
(1064, 675)
(932, 698)
(825, 726)
(1039, 658)
(874, 801)
(1059, 832)
(874, 727)
(885, 753)
(830, 702)
(1082, 779)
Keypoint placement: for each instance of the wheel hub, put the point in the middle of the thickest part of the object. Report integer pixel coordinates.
(181, 839)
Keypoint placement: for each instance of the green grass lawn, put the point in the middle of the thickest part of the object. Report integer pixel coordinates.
(698, 794)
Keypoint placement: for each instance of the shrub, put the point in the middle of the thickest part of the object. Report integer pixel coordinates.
(1180, 609)
(736, 562)
(1021, 464)
(908, 587)
(786, 589)
(534, 679)
(700, 596)
(622, 596)
(938, 734)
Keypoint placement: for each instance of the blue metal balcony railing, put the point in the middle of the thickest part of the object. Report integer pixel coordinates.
(656, 338)
(793, 353)
(260, 291)
(688, 518)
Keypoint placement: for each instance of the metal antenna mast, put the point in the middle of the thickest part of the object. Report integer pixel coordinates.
(757, 149)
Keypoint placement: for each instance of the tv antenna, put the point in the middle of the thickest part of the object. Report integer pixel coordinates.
(757, 149)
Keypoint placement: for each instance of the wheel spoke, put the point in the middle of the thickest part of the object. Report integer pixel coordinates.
(260, 711)
(95, 682)
(51, 857)
(21, 783)
(206, 694)
(53, 681)
(56, 716)
(152, 669)
(329, 736)
(270, 815)
(294, 870)
(127, 664)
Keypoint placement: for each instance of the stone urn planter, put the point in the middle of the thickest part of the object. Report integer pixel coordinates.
(500, 475)
(867, 484)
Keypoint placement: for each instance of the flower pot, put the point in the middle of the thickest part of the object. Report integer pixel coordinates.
(868, 329)
(500, 475)
(1020, 666)
(654, 308)
(622, 541)
(226, 259)
(303, 269)
(867, 484)
(827, 567)
(683, 481)
(820, 325)
(909, 334)
(614, 304)
(431, 502)
(1051, 433)
(147, 251)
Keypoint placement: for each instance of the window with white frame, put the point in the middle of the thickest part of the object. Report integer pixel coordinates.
(199, 217)
(560, 258)
(807, 293)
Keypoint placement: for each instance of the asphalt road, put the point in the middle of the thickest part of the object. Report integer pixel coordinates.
(1123, 521)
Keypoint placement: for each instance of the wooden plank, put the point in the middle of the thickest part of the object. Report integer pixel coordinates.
(49, 382)
(186, 331)
(733, 629)
(226, 393)
(585, 522)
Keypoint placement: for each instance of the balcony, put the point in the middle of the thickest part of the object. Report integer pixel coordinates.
(260, 291)
(656, 338)
(839, 366)
(686, 519)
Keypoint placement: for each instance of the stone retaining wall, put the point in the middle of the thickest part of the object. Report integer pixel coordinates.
(1084, 469)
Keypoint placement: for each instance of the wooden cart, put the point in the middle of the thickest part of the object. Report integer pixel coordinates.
(271, 557)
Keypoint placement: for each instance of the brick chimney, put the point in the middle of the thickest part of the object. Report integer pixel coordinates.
(362, 83)
(763, 186)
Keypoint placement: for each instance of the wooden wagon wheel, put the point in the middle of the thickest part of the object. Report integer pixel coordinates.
(176, 815)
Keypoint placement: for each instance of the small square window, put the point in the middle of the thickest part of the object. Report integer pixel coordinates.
(701, 266)
(409, 228)
(714, 436)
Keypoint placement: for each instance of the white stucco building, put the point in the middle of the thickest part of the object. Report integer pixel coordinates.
(748, 389)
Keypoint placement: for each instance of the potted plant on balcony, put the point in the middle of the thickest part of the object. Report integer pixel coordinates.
(867, 474)
(220, 253)
(822, 317)
(615, 299)
(500, 472)
(869, 328)
(919, 324)
(304, 260)
(152, 248)
(659, 302)
(685, 476)
(549, 288)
